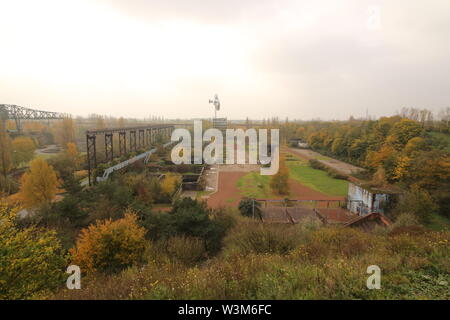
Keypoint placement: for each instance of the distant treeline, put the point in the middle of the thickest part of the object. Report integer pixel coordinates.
(394, 150)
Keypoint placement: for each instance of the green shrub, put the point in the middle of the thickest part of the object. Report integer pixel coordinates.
(249, 207)
(189, 218)
(69, 208)
(336, 175)
(316, 164)
(418, 203)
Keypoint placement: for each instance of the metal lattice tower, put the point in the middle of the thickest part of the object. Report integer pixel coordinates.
(139, 137)
(109, 150)
(17, 113)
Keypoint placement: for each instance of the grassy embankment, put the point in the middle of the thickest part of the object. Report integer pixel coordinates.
(255, 185)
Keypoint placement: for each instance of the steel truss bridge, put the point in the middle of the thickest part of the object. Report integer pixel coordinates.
(17, 113)
(138, 138)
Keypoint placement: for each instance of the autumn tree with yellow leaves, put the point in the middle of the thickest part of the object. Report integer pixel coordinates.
(170, 183)
(73, 155)
(39, 185)
(110, 245)
(66, 132)
(22, 150)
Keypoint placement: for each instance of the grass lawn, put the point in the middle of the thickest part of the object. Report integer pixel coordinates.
(254, 185)
(439, 223)
(202, 193)
(444, 136)
(316, 179)
(45, 156)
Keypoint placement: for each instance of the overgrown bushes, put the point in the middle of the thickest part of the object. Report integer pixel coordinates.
(31, 260)
(110, 246)
(253, 237)
(417, 203)
(325, 263)
(189, 218)
(407, 153)
(186, 250)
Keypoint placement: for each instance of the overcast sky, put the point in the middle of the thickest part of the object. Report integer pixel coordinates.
(302, 59)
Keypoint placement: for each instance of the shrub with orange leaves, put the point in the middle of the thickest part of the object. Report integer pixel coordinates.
(110, 246)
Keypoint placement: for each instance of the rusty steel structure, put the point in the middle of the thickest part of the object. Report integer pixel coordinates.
(138, 138)
(17, 113)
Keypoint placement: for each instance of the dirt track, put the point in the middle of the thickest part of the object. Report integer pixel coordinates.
(228, 193)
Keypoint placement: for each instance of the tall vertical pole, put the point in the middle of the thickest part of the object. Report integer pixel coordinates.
(253, 209)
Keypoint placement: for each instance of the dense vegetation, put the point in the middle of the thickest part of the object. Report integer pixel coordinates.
(285, 262)
(133, 240)
(394, 150)
(32, 260)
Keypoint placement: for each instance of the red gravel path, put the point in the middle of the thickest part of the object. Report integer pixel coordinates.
(227, 190)
(229, 194)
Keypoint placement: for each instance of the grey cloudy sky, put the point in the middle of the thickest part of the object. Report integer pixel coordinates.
(302, 59)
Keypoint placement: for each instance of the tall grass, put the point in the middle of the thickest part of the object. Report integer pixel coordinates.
(290, 262)
(330, 264)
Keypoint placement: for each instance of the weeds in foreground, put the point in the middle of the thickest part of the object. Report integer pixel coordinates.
(287, 262)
